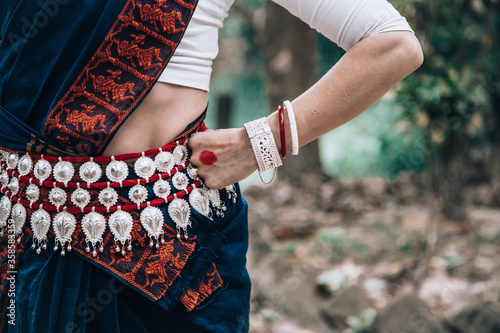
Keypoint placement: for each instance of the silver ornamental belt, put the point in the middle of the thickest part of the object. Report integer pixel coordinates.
(57, 189)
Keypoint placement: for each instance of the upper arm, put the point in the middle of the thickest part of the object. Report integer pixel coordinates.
(346, 22)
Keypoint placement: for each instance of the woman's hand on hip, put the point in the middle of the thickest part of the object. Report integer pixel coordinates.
(223, 156)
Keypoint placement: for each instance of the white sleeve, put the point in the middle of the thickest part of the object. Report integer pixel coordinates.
(347, 22)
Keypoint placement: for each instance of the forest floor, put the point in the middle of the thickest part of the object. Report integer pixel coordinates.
(346, 256)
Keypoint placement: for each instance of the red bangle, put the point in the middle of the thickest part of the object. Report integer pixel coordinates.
(282, 131)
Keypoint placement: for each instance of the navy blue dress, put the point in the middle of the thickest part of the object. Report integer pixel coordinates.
(70, 75)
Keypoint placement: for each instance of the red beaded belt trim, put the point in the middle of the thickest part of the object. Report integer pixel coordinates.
(21, 179)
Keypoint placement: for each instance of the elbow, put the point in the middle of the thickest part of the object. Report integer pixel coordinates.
(398, 51)
(408, 52)
(415, 53)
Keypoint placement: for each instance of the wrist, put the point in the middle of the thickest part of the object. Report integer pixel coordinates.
(245, 148)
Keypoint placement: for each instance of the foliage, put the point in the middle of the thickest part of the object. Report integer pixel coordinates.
(450, 100)
(451, 96)
(447, 108)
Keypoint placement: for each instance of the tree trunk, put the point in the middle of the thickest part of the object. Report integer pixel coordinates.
(291, 65)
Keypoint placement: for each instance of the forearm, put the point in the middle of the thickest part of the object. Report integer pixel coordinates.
(363, 75)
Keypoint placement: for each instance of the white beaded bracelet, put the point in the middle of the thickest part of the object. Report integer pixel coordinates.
(293, 127)
(264, 146)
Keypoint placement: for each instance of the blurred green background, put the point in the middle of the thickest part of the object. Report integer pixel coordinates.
(408, 192)
(442, 120)
(403, 200)
(452, 100)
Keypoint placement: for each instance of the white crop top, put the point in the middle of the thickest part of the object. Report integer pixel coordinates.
(344, 22)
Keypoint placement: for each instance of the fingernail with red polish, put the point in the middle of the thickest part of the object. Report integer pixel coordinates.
(207, 157)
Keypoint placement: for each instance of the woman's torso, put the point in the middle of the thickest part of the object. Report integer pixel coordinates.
(163, 114)
(181, 93)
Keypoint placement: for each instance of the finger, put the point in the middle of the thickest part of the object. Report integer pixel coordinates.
(198, 138)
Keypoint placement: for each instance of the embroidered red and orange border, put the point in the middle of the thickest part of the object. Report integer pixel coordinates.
(123, 69)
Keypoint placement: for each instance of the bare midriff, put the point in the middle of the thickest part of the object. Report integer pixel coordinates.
(163, 115)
